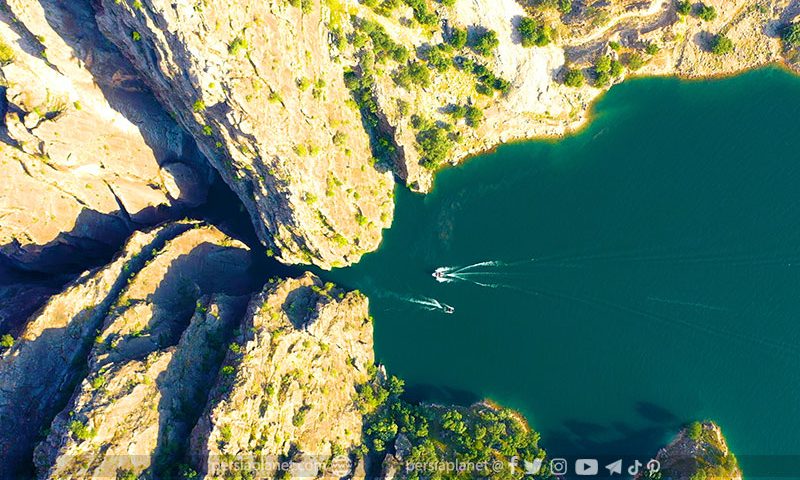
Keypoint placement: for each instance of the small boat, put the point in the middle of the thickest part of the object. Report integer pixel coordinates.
(438, 274)
(449, 309)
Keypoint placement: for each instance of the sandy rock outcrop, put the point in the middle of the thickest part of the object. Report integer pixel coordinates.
(287, 387)
(259, 85)
(82, 141)
(140, 302)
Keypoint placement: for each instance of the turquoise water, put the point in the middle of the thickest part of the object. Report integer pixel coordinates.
(666, 285)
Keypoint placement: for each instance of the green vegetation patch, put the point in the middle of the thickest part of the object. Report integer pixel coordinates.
(435, 435)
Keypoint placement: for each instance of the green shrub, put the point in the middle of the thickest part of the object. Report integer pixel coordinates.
(474, 116)
(707, 12)
(485, 42)
(684, 7)
(81, 431)
(616, 68)
(791, 35)
(339, 138)
(438, 59)
(6, 53)
(721, 45)
(421, 13)
(6, 341)
(435, 144)
(198, 106)
(695, 431)
(534, 33)
(602, 64)
(574, 78)
(126, 475)
(602, 79)
(457, 38)
(383, 45)
(635, 61)
(237, 45)
(419, 74)
(651, 48)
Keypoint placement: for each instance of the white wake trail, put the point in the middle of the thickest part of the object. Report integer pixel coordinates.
(687, 304)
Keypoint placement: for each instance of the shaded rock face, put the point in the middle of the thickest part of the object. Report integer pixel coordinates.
(261, 89)
(287, 387)
(84, 146)
(698, 451)
(136, 306)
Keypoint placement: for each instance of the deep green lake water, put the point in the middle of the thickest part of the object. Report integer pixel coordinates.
(666, 285)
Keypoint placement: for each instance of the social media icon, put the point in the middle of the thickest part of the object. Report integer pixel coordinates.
(532, 468)
(634, 469)
(558, 466)
(586, 466)
(653, 466)
(614, 468)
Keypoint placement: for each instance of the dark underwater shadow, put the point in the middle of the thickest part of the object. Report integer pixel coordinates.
(578, 437)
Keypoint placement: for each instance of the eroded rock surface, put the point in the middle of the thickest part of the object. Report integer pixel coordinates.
(82, 141)
(288, 385)
(260, 87)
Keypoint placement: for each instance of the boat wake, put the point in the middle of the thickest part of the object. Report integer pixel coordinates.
(497, 274)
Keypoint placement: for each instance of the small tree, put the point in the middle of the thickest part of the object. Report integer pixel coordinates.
(707, 12)
(6, 341)
(635, 61)
(602, 69)
(474, 116)
(485, 42)
(791, 35)
(574, 78)
(651, 48)
(721, 45)
(435, 145)
(616, 68)
(534, 33)
(684, 7)
(458, 38)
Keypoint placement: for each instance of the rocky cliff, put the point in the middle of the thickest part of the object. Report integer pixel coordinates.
(288, 384)
(260, 86)
(88, 155)
(435, 81)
